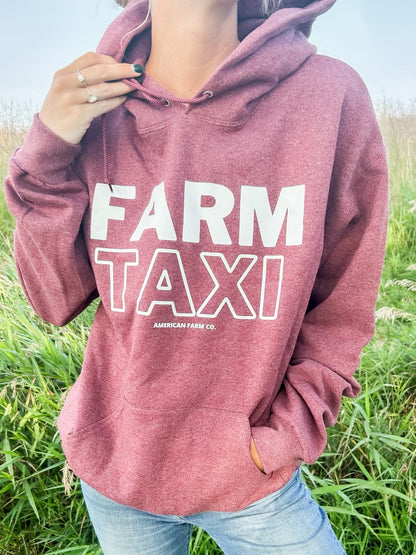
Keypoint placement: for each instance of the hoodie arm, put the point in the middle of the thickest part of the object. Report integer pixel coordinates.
(340, 316)
(48, 202)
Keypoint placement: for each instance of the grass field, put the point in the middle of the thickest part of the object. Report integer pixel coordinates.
(366, 479)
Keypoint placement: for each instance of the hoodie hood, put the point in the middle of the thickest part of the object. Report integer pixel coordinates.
(306, 11)
(271, 49)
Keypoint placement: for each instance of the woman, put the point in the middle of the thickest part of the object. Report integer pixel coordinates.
(229, 209)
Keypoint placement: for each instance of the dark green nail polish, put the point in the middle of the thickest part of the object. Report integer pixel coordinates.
(138, 68)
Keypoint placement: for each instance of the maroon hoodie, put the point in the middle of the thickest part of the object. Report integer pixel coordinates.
(236, 246)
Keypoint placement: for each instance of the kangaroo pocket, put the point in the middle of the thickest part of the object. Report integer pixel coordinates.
(168, 461)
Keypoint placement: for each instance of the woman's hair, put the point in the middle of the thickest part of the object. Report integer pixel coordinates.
(271, 6)
(268, 6)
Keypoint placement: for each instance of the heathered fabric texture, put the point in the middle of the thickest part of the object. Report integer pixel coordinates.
(236, 254)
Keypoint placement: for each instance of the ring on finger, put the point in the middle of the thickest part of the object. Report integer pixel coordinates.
(80, 77)
(93, 97)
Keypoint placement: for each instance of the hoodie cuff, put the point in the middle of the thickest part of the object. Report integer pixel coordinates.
(44, 155)
(276, 449)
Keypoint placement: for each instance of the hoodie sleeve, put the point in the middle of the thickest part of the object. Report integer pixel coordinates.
(340, 316)
(49, 201)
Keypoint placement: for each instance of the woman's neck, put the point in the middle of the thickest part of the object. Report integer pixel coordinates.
(190, 39)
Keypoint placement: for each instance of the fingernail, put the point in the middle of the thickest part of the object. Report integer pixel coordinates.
(137, 68)
(139, 79)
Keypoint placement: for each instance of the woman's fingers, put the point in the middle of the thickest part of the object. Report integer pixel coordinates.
(88, 87)
(87, 60)
(97, 68)
(103, 91)
(100, 73)
(103, 106)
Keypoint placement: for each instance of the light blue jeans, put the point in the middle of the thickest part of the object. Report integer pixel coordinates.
(287, 522)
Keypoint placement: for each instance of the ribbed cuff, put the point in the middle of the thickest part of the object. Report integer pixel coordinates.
(276, 448)
(44, 155)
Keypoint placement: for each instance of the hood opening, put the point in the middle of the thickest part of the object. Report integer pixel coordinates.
(251, 14)
(271, 49)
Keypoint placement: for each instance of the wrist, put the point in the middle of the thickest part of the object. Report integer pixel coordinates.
(44, 154)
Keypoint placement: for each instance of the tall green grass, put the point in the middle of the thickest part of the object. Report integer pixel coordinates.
(366, 479)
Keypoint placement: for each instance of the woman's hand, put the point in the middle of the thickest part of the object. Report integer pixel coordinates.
(255, 456)
(67, 109)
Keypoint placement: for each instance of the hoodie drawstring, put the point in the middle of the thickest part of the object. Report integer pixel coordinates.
(151, 97)
(105, 155)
